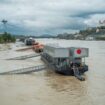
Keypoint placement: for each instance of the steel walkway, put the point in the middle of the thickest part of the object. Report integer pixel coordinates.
(25, 70)
(24, 57)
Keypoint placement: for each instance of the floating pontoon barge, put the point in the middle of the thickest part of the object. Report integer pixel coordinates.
(67, 61)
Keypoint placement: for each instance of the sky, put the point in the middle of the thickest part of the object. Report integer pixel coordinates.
(37, 17)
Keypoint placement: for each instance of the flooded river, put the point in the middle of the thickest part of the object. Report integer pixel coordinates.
(49, 88)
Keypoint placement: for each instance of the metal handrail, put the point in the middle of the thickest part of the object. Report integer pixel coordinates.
(26, 70)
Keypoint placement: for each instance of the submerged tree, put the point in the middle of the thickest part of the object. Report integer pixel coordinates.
(7, 37)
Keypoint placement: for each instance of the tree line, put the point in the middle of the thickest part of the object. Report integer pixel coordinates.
(7, 38)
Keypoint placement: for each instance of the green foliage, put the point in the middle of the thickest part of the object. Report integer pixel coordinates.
(13, 39)
(101, 27)
(1, 39)
(87, 32)
(100, 38)
(6, 38)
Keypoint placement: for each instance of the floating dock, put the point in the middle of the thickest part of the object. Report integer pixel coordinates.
(67, 61)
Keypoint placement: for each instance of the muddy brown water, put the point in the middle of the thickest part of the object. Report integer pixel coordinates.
(49, 88)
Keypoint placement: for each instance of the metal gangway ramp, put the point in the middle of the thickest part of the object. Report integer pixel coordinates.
(24, 57)
(77, 74)
(25, 70)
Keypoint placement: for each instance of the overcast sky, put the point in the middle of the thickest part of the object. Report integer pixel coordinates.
(50, 16)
